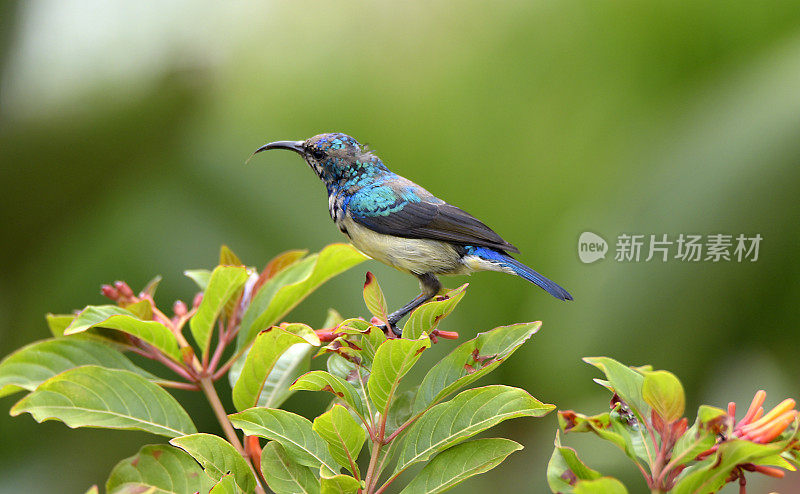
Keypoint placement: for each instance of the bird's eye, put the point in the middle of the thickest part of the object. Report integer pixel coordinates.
(318, 154)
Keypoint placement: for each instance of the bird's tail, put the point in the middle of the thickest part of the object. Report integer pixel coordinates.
(522, 271)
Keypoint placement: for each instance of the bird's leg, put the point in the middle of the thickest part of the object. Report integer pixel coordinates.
(430, 286)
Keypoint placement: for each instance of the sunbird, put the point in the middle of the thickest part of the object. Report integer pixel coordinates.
(394, 220)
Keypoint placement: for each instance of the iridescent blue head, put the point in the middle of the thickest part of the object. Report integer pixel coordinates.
(338, 159)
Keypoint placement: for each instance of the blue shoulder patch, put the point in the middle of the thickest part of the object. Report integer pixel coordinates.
(381, 200)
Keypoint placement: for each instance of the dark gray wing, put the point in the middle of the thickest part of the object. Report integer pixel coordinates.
(409, 211)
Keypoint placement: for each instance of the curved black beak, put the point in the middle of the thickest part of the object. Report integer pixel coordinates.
(296, 146)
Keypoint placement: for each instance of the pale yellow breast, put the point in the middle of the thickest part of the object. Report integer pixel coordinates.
(411, 255)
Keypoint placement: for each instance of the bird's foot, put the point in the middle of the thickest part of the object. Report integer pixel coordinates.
(391, 330)
(386, 326)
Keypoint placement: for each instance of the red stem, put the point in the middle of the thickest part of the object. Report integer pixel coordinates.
(222, 343)
(175, 367)
(178, 385)
(225, 368)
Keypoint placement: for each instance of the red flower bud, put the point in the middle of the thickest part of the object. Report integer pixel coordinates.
(252, 447)
(758, 400)
(124, 289)
(110, 292)
(448, 335)
(325, 335)
(179, 308)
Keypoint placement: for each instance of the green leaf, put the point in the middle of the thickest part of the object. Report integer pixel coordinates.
(283, 474)
(33, 364)
(226, 485)
(367, 337)
(119, 319)
(374, 298)
(289, 287)
(142, 309)
(332, 319)
(426, 317)
(92, 396)
(293, 363)
(371, 339)
(224, 284)
(151, 286)
(161, 467)
(201, 277)
(217, 458)
(600, 424)
(472, 360)
(613, 427)
(92, 315)
(345, 436)
(355, 375)
(700, 436)
(93, 490)
(279, 263)
(339, 484)
(633, 433)
(400, 410)
(393, 360)
(664, 393)
(345, 346)
(565, 469)
(469, 413)
(711, 475)
(603, 485)
(344, 369)
(782, 460)
(267, 349)
(294, 432)
(57, 323)
(228, 258)
(624, 381)
(135, 488)
(324, 381)
(454, 465)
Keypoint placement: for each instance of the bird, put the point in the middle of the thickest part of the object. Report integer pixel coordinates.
(393, 220)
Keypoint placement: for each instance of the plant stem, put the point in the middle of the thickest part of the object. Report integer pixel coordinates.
(213, 399)
(177, 385)
(373, 460)
(405, 426)
(222, 342)
(226, 367)
(646, 475)
(178, 325)
(676, 460)
(207, 385)
(139, 347)
(386, 455)
(175, 367)
(182, 343)
(369, 408)
(387, 483)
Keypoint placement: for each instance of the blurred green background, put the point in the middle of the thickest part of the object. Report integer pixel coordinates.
(124, 127)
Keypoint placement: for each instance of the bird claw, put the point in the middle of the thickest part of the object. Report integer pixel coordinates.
(395, 331)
